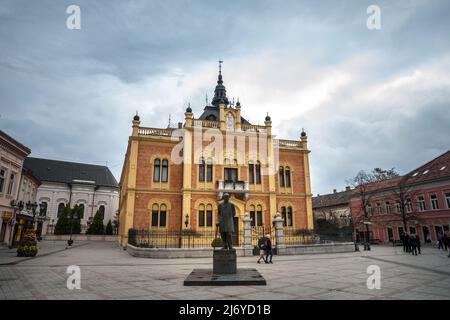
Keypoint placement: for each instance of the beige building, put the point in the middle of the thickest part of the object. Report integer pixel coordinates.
(12, 154)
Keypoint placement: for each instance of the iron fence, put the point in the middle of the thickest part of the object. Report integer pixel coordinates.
(293, 237)
(177, 239)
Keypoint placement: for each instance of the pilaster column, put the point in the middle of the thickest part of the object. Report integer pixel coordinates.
(246, 220)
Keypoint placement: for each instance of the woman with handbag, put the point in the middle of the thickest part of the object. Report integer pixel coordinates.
(262, 251)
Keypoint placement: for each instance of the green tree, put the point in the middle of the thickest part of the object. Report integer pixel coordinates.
(96, 226)
(109, 228)
(76, 222)
(62, 225)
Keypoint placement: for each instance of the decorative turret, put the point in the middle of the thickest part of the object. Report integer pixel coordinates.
(188, 116)
(303, 134)
(136, 123)
(220, 93)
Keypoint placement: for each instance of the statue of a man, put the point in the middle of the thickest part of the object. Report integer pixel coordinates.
(226, 223)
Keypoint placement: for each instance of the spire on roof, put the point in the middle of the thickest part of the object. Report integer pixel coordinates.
(220, 93)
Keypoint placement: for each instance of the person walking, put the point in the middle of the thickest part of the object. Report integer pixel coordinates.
(405, 242)
(440, 238)
(268, 249)
(445, 241)
(418, 243)
(413, 244)
(262, 247)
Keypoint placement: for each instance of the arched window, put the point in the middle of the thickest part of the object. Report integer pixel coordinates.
(101, 210)
(156, 170)
(155, 213)
(258, 172)
(209, 216)
(159, 216)
(162, 216)
(201, 215)
(201, 170)
(81, 206)
(165, 171)
(60, 209)
(281, 177)
(288, 177)
(259, 216)
(289, 217)
(209, 170)
(251, 173)
(252, 215)
(43, 208)
(283, 215)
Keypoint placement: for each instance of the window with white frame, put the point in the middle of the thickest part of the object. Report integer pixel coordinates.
(434, 201)
(408, 205)
(378, 208)
(2, 179)
(398, 208)
(447, 199)
(387, 207)
(11, 184)
(421, 203)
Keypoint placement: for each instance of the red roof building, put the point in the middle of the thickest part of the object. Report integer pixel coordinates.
(418, 202)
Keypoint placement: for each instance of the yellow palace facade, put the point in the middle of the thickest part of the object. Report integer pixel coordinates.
(174, 178)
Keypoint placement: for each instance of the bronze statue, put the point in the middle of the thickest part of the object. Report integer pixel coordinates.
(227, 212)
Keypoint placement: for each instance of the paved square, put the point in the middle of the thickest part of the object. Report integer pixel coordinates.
(108, 272)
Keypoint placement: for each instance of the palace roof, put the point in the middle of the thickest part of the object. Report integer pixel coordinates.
(66, 172)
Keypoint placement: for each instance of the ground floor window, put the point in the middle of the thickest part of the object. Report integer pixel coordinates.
(256, 215)
(159, 216)
(205, 216)
(287, 216)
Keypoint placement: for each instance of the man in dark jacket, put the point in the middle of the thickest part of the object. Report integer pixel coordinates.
(418, 243)
(268, 248)
(405, 242)
(413, 244)
(445, 241)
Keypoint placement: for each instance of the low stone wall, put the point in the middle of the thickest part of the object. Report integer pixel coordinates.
(338, 247)
(80, 237)
(168, 253)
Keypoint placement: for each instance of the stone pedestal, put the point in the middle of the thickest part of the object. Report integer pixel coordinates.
(224, 261)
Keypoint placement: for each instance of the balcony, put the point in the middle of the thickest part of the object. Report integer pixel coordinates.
(232, 187)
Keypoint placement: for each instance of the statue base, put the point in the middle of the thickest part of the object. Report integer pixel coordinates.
(224, 261)
(242, 277)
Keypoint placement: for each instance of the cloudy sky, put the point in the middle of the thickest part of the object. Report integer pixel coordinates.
(367, 98)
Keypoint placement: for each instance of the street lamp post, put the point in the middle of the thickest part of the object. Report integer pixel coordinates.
(34, 206)
(73, 216)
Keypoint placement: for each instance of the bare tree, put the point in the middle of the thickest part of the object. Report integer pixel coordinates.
(361, 184)
(403, 195)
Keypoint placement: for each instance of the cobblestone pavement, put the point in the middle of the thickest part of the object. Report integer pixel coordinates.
(108, 272)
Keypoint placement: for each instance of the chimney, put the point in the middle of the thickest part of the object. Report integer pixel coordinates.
(347, 188)
(180, 125)
(334, 190)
